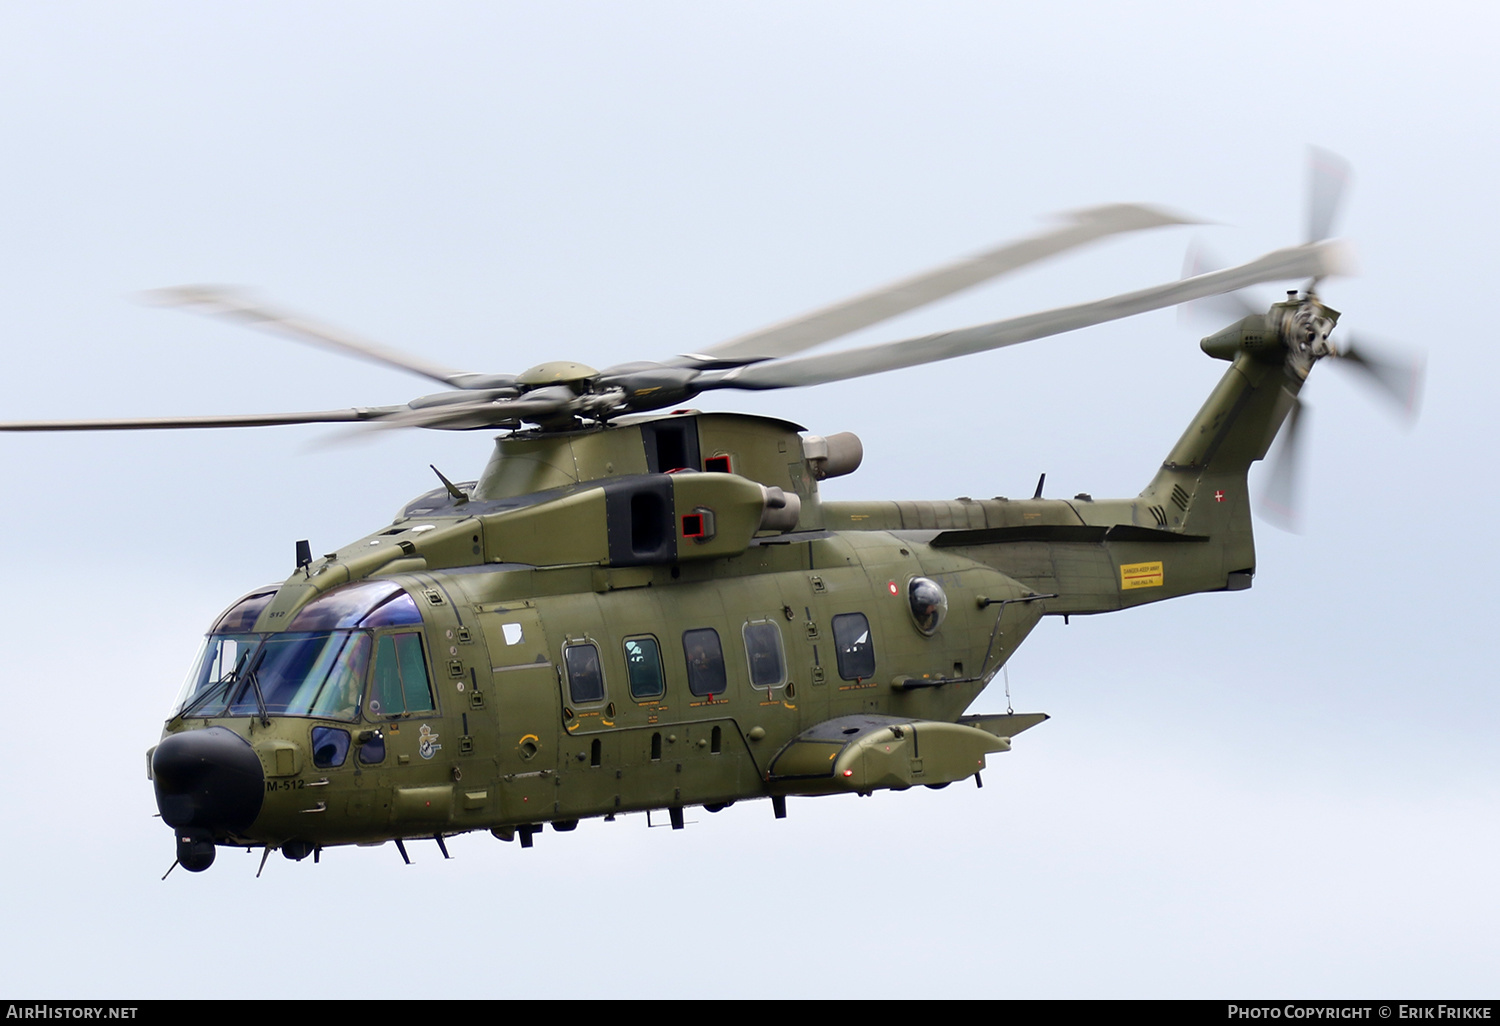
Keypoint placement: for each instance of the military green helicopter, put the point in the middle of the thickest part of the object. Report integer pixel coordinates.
(640, 607)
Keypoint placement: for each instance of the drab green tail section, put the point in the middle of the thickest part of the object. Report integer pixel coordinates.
(1202, 487)
(1189, 531)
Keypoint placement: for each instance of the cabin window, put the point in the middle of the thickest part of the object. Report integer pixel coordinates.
(856, 651)
(705, 661)
(928, 602)
(643, 667)
(763, 652)
(585, 675)
(399, 685)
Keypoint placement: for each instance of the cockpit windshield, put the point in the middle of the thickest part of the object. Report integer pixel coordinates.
(313, 673)
(219, 662)
(303, 672)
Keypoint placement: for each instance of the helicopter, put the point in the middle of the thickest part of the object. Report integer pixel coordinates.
(641, 607)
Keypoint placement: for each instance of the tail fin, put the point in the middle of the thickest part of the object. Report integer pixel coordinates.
(1202, 486)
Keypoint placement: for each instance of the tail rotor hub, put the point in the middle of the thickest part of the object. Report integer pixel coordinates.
(1305, 327)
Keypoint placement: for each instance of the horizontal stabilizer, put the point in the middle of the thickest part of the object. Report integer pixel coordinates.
(1004, 724)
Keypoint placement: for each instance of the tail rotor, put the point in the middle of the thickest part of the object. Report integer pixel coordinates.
(1299, 329)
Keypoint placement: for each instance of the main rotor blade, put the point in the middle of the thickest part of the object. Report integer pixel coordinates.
(228, 304)
(1313, 260)
(472, 416)
(232, 420)
(1231, 306)
(831, 322)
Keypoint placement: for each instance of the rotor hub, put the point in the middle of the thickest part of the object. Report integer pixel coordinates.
(1304, 328)
(558, 372)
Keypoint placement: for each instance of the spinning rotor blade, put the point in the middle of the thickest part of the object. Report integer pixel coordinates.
(1230, 306)
(831, 322)
(541, 402)
(1278, 502)
(232, 420)
(1328, 180)
(1301, 261)
(1398, 379)
(228, 304)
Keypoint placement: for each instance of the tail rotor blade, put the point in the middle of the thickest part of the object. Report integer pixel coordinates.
(1396, 377)
(1279, 501)
(1328, 180)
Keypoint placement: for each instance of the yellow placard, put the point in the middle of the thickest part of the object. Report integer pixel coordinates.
(1140, 575)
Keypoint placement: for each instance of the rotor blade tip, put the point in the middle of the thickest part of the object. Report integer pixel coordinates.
(173, 296)
(1280, 518)
(1325, 161)
(186, 295)
(1338, 258)
(1142, 215)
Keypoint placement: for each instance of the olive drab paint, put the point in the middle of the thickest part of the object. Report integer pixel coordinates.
(633, 610)
(593, 629)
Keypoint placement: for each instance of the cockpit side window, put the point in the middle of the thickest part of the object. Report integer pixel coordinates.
(400, 684)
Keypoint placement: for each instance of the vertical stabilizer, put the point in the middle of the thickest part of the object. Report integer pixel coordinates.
(1202, 486)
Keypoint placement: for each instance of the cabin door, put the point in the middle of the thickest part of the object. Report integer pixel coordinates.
(523, 690)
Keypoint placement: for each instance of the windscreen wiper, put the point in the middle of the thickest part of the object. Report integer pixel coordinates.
(260, 699)
(218, 687)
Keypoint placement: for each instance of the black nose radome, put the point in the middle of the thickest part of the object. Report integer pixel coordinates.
(208, 778)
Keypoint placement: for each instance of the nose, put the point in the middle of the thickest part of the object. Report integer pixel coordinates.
(209, 779)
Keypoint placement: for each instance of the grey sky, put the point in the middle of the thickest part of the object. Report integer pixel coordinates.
(1291, 790)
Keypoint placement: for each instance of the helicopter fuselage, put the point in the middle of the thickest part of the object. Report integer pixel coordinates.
(660, 614)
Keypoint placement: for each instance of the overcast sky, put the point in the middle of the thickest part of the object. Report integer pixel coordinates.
(1286, 791)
